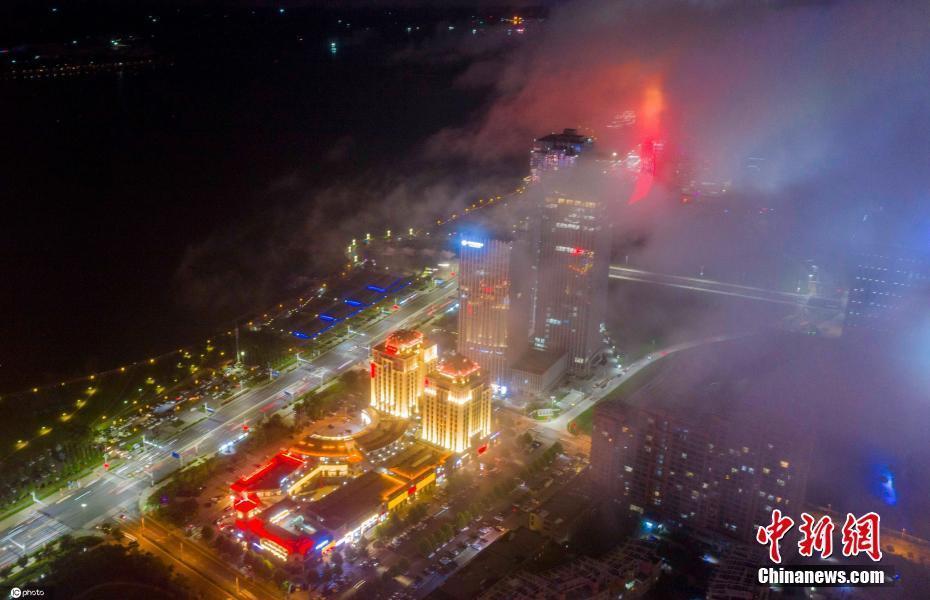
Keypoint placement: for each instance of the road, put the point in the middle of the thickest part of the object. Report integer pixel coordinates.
(560, 423)
(200, 565)
(727, 289)
(105, 495)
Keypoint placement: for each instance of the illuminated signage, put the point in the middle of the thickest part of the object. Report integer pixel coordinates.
(471, 244)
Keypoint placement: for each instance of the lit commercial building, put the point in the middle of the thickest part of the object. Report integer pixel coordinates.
(699, 468)
(292, 528)
(456, 404)
(399, 366)
(572, 275)
(264, 508)
(286, 473)
(493, 319)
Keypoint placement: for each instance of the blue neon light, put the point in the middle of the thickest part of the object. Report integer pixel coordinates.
(471, 244)
(354, 303)
(300, 334)
(329, 318)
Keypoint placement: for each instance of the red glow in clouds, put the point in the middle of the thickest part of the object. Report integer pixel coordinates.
(650, 129)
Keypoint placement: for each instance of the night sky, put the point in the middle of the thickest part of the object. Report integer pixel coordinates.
(115, 183)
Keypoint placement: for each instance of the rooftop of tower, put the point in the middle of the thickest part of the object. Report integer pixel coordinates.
(567, 137)
(457, 366)
(402, 339)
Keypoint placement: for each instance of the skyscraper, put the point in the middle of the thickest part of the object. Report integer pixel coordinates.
(888, 293)
(456, 404)
(572, 272)
(399, 366)
(557, 151)
(493, 317)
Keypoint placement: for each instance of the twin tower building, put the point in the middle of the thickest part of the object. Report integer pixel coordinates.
(451, 395)
(533, 282)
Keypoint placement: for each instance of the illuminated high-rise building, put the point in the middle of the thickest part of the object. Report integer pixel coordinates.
(571, 275)
(399, 366)
(556, 151)
(707, 468)
(888, 294)
(493, 319)
(456, 404)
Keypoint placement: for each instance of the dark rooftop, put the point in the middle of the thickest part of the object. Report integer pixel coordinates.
(537, 361)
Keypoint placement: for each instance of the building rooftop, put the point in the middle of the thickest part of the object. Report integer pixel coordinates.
(355, 501)
(566, 137)
(457, 366)
(537, 362)
(417, 460)
(269, 475)
(401, 340)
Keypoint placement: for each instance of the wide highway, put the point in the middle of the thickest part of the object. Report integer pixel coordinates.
(106, 495)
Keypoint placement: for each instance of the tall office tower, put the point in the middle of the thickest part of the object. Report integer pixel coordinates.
(888, 293)
(456, 404)
(399, 366)
(697, 468)
(493, 301)
(557, 151)
(572, 271)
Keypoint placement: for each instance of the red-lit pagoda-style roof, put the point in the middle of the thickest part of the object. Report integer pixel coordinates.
(269, 475)
(293, 543)
(400, 340)
(457, 366)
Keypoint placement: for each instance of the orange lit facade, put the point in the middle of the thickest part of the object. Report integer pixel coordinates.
(456, 405)
(398, 369)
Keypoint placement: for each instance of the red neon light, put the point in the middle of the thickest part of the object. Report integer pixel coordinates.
(293, 544)
(249, 481)
(396, 307)
(390, 349)
(426, 382)
(373, 370)
(106, 466)
(411, 490)
(577, 251)
(245, 428)
(482, 449)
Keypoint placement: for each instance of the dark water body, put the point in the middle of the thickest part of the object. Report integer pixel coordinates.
(108, 181)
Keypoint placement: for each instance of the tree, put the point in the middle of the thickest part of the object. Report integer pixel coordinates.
(526, 439)
(22, 561)
(207, 533)
(416, 513)
(116, 533)
(403, 565)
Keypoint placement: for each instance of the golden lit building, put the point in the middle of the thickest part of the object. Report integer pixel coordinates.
(456, 404)
(399, 366)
